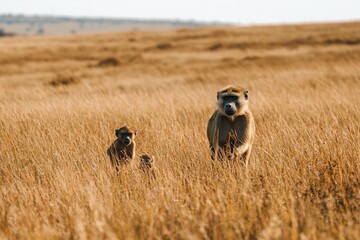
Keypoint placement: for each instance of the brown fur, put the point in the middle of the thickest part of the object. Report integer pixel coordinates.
(232, 136)
(119, 152)
(229, 89)
(147, 164)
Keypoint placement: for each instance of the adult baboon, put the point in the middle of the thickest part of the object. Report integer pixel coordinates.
(231, 129)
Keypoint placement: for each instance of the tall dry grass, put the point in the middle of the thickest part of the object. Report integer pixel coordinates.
(303, 181)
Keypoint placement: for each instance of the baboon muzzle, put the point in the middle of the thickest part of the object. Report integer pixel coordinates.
(126, 141)
(230, 109)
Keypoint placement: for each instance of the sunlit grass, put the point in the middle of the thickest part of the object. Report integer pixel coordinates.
(303, 180)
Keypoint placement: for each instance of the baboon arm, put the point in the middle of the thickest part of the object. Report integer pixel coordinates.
(111, 155)
(247, 154)
(215, 139)
(108, 152)
(242, 149)
(130, 151)
(212, 153)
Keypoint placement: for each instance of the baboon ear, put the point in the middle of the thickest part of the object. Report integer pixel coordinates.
(218, 95)
(117, 133)
(246, 94)
(135, 132)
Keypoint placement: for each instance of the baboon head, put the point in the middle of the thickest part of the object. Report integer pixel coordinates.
(147, 161)
(232, 100)
(126, 134)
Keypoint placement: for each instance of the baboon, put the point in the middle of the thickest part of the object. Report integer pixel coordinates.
(122, 150)
(146, 162)
(231, 129)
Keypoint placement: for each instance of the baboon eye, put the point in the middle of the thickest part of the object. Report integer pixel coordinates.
(230, 98)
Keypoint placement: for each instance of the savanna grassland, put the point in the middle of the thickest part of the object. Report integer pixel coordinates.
(62, 97)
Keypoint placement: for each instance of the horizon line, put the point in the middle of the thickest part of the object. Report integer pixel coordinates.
(179, 20)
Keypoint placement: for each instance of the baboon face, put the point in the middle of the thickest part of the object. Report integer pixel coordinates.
(147, 160)
(126, 135)
(232, 100)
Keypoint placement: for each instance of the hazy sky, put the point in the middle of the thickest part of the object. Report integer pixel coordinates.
(242, 11)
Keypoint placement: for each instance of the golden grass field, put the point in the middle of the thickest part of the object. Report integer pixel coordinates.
(62, 97)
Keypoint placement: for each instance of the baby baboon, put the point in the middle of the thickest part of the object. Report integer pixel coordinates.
(231, 129)
(122, 151)
(146, 162)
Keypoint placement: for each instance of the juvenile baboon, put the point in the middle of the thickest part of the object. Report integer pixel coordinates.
(146, 162)
(231, 129)
(122, 150)
(147, 165)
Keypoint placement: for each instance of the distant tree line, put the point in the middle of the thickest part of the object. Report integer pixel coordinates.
(4, 34)
(10, 19)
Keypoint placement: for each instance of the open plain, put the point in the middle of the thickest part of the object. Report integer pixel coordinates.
(61, 99)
